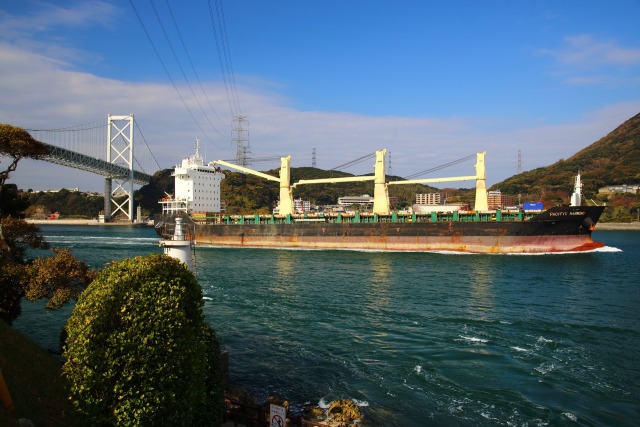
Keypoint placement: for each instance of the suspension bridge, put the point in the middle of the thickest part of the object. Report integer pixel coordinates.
(104, 147)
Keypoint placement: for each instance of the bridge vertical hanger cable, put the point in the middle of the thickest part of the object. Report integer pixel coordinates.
(148, 148)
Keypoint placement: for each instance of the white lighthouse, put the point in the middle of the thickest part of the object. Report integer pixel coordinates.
(179, 245)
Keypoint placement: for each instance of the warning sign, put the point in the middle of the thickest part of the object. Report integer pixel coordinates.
(277, 416)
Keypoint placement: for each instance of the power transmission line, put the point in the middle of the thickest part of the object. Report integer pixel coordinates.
(354, 162)
(193, 68)
(166, 70)
(224, 58)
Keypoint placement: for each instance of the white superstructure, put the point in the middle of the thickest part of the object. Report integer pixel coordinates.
(197, 187)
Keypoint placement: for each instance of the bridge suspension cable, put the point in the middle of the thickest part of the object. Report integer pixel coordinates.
(83, 147)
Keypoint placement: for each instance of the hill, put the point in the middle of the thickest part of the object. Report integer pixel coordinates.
(614, 159)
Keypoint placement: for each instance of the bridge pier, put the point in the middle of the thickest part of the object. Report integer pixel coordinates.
(107, 198)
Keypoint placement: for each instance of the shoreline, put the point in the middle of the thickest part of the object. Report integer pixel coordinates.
(606, 226)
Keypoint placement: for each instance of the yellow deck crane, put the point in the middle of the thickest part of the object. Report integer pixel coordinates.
(380, 192)
(286, 197)
(482, 203)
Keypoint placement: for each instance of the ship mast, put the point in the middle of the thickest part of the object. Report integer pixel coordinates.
(576, 197)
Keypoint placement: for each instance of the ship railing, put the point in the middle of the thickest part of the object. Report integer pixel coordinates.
(365, 217)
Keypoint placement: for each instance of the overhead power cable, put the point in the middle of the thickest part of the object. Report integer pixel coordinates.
(166, 70)
(354, 162)
(193, 68)
(437, 168)
(224, 58)
(227, 51)
(184, 75)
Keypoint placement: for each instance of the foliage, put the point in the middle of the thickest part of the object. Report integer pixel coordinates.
(19, 235)
(137, 347)
(17, 143)
(60, 278)
(161, 184)
(12, 202)
(11, 277)
(67, 203)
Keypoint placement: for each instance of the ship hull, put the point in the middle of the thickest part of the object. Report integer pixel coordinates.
(562, 229)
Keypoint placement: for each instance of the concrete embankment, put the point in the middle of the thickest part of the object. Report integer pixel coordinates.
(618, 226)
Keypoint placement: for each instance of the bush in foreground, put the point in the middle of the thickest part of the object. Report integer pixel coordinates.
(138, 350)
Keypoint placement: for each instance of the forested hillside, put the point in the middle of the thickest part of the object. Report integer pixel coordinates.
(614, 159)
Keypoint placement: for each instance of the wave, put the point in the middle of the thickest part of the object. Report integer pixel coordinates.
(607, 249)
(97, 240)
(474, 339)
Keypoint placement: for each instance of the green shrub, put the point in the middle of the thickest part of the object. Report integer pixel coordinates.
(138, 350)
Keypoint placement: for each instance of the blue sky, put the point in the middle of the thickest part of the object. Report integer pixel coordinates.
(431, 82)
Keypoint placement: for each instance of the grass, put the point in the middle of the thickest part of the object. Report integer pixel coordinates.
(34, 378)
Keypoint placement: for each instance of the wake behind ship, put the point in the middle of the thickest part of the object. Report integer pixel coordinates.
(197, 199)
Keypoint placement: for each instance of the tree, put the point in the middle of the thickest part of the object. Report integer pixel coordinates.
(18, 235)
(60, 278)
(12, 202)
(138, 350)
(17, 143)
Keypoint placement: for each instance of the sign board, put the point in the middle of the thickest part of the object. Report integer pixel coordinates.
(277, 416)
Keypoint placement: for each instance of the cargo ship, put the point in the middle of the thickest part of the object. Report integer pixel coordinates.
(566, 228)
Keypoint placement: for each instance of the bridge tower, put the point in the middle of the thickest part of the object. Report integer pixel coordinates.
(119, 151)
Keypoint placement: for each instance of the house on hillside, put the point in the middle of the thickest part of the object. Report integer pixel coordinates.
(623, 188)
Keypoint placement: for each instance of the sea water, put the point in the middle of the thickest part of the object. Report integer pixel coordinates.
(415, 338)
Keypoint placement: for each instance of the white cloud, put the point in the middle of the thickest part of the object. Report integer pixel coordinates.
(585, 50)
(48, 17)
(38, 92)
